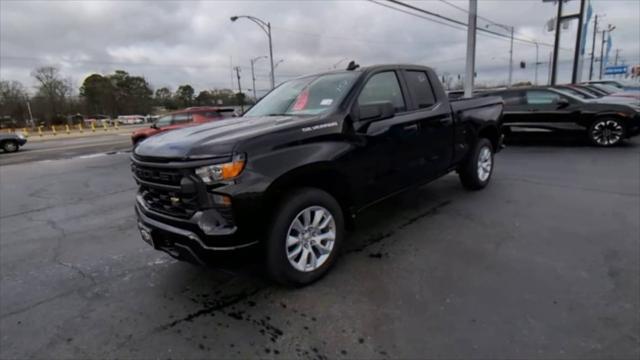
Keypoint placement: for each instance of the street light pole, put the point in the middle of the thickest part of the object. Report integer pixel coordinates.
(593, 46)
(511, 29)
(253, 76)
(266, 27)
(609, 29)
(511, 59)
(471, 49)
(556, 44)
(537, 63)
(275, 66)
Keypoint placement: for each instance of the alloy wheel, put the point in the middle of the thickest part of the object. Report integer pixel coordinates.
(607, 132)
(310, 238)
(484, 163)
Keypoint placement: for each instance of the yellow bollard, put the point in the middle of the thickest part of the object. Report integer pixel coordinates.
(25, 132)
(67, 129)
(80, 128)
(53, 129)
(104, 125)
(115, 125)
(40, 131)
(93, 126)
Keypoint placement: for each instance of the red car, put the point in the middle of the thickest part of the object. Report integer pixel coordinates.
(182, 118)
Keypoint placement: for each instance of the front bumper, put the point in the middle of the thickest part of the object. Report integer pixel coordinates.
(187, 239)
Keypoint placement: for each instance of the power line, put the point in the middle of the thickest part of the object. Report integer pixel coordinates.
(457, 22)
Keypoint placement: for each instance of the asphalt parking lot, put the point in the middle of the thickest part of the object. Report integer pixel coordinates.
(543, 264)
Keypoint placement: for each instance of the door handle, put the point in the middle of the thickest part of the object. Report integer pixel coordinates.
(411, 128)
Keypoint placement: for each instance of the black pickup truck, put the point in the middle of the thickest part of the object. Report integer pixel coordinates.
(293, 172)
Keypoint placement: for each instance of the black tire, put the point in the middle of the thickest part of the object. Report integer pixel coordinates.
(10, 146)
(469, 170)
(606, 132)
(278, 265)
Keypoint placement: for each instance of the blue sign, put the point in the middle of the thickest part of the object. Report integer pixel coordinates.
(614, 70)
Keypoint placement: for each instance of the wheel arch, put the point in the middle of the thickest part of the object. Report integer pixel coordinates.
(491, 133)
(320, 175)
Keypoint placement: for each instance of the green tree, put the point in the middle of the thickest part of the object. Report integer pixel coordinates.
(98, 94)
(205, 98)
(164, 97)
(132, 94)
(184, 95)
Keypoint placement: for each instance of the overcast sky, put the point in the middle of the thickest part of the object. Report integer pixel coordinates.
(173, 43)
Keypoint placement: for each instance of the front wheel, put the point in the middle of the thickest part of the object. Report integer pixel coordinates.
(305, 237)
(606, 132)
(476, 171)
(10, 146)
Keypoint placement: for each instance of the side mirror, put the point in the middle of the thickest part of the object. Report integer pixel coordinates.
(376, 111)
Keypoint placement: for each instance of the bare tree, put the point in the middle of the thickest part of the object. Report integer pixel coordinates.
(13, 98)
(54, 90)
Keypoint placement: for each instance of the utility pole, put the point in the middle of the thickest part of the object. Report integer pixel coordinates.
(471, 49)
(253, 76)
(576, 56)
(511, 59)
(30, 114)
(537, 63)
(593, 46)
(237, 69)
(556, 44)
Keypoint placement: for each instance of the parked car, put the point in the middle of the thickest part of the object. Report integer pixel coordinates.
(546, 108)
(620, 84)
(10, 142)
(309, 156)
(179, 119)
(584, 94)
(130, 119)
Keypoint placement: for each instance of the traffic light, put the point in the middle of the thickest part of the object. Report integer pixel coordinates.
(523, 65)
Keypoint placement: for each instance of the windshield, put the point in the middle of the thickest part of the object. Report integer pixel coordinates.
(574, 93)
(607, 88)
(306, 96)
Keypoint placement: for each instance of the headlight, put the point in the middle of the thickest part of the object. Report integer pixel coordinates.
(20, 136)
(222, 172)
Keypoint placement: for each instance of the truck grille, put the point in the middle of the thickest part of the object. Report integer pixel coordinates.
(168, 202)
(159, 176)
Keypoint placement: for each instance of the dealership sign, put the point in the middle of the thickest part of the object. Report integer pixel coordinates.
(614, 70)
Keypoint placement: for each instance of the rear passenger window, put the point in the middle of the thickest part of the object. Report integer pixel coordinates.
(513, 98)
(383, 87)
(420, 87)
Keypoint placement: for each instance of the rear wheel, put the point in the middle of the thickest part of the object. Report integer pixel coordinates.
(606, 132)
(305, 237)
(476, 171)
(10, 146)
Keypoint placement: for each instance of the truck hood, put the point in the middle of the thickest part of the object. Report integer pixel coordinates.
(214, 139)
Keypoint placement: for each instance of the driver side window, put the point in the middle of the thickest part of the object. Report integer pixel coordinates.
(383, 87)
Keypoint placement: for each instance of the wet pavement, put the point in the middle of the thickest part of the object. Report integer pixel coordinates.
(544, 263)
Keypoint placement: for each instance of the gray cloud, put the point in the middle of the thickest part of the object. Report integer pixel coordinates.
(171, 43)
